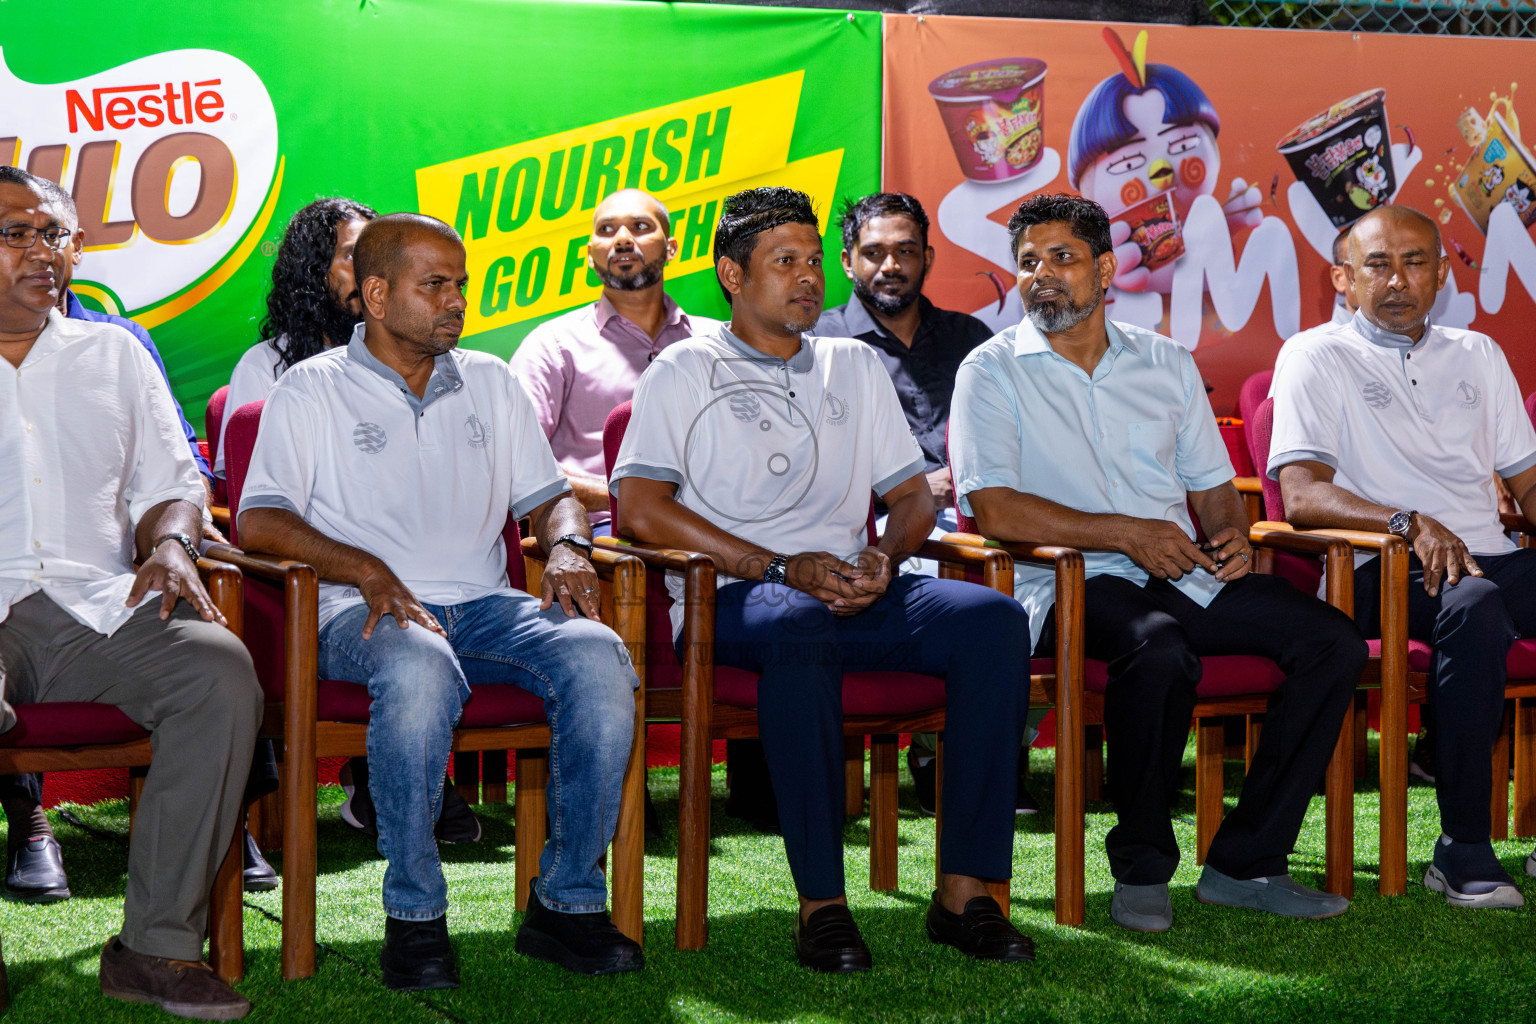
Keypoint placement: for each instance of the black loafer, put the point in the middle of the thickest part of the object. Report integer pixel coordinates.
(980, 931)
(417, 955)
(258, 875)
(829, 941)
(583, 943)
(457, 823)
(35, 873)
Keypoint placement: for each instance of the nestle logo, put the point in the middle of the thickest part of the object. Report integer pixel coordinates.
(147, 106)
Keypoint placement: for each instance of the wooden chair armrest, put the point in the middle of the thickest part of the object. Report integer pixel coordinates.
(1382, 542)
(1248, 485)
(1020, 550)
(609, 562)
(675, 559)
(1285, 537)
(220, 515)
(262, 567)
(1516, 523)
(994, 564)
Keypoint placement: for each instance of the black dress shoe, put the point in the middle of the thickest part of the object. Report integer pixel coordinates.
(980, 931)
(259, 876)
(417, 955)
(652, 822)
(829, 941)
(457, 823)
(583, 943)
(35, 873)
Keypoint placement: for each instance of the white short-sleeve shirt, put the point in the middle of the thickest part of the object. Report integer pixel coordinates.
(1407, 425)
(89, 442)
(251, 379)
(1135, 438)
(424, 484)
(781, 453)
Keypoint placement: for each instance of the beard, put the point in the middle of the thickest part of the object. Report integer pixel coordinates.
(883, 302)
(1056, 315)
(336, 320)
(642, 277)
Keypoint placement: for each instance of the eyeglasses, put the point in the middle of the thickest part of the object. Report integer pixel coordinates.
(24, 238)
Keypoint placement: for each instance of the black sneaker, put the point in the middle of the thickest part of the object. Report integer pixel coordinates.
(456, 823)
(357, 809)
(583, 943)
(417, 956)
(1470, 875)
(924, 780)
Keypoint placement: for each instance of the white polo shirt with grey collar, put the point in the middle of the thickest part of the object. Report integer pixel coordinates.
(1410, 425)
(426, 484)
(781, 453)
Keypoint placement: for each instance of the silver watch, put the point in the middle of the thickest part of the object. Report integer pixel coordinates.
(1401, 522)
(775, 571)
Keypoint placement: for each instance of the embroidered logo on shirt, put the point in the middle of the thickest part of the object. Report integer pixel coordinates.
(1469, 395)
(745, 406)
(370, 437)
(837, 410)
(1376, 395)
(478, 433)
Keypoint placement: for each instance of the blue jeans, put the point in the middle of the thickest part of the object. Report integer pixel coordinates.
(419, 681)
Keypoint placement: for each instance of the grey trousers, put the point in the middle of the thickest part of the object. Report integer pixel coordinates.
(192, 685)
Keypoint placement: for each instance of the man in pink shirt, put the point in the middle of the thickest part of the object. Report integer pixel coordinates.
(578, 367)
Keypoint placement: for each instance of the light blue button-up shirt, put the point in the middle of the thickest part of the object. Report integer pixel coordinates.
(1134, 438)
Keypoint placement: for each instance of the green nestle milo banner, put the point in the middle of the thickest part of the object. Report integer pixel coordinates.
(190, 133)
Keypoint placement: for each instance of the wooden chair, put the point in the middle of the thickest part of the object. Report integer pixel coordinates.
(316, 717)
(66, 736)
(1230, 685)
(719, 702)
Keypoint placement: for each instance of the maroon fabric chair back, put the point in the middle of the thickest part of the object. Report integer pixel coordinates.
(239, 441)
(1530, 406)
(1253, 392)
(1260, 432)
(613, 435)
(213, 420)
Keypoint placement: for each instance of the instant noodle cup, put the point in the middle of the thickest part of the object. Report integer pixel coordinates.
(1155, 230)
(1501, 171)
(994, 111)
(1344, 157)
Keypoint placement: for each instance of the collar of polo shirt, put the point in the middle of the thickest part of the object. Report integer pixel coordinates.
(1385, 338)
(800, 362)
(1028, 339)
(445, 379)
(603, 311)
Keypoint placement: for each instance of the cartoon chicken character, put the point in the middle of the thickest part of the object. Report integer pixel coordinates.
(1146, 131)
(1491, 178)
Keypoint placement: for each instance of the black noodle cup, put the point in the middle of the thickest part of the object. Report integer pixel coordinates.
(1344, 157)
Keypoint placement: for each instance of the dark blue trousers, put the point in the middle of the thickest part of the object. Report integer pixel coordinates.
(1472, 626)
(972, 636)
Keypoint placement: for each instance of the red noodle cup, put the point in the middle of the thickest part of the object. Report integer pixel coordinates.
(1344, 157)
(1155, 230)
(994, 112)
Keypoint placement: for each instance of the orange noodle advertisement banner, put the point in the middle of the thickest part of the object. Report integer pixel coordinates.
(1228, 161)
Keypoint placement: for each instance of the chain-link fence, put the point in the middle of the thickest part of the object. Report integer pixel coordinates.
(1509, 18)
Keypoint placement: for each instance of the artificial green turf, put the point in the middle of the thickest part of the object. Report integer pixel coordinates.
(1411, 958)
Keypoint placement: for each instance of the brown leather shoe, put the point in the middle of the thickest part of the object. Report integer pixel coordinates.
(182, 988)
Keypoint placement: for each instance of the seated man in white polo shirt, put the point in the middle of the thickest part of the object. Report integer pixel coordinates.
(391, 466)
(760, 445)
(1070, 429)
(1391, 424)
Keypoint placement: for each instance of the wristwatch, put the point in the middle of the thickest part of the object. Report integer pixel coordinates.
(179, 538)
(775, 571)
(1401, 522)
(576, 541)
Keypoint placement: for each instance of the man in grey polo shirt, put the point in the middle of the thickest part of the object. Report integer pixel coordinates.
(1389, 423)
(1069, 429)
(391, 465)
(760, 444)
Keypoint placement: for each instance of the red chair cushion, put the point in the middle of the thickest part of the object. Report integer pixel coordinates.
(1521, 662)
(1260, 431)
(488, 706)
(1254, 390)
(70, 724)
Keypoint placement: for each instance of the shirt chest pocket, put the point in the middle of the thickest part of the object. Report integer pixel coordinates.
(1151, 446)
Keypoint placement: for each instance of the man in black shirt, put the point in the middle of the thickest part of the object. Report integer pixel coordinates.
(887, 257)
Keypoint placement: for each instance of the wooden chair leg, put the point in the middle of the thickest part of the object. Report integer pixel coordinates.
(1070, 839)
(530, 810)
(853, 776)
(1500, 800)
(466, 775)
(493, 781)
(693, 834)
(1361, 719)
(1339, 814)
(1210, 751)
(1525, 767)
(626, 880)
(882, 810)
(297, 786)
(1093, 761)
(226, 925)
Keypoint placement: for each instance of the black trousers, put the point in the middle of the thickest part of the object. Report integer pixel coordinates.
(1153, 638)
(1472, 626)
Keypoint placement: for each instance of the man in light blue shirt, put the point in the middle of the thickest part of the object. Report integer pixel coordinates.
(1069, 429)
